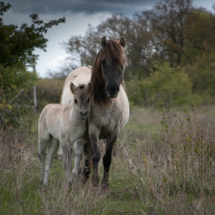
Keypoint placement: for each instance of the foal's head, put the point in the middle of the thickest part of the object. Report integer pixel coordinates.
(81, 99)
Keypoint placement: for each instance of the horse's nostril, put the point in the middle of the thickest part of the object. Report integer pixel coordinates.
(108, 87)
(83, 113)
(116, 88)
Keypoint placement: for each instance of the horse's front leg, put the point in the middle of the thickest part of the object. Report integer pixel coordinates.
(87, 159)
(107, 157)
(94, 134)
(78, 148)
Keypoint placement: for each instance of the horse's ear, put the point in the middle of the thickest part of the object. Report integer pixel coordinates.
(103, 42)
(89, 86)
(122, 42)
(73, 88)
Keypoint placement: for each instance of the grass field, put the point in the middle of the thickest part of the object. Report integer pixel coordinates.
(163, 163)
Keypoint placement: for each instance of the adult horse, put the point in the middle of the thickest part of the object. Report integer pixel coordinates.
(109, 106)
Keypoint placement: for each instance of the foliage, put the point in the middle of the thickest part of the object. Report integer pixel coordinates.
(170, 85)
(176, 32)
(13, 82)
(199, 31)
(202, 74)
(17, 44)
(49, 91)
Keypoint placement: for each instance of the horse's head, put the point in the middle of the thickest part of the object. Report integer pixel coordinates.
(113, 61)
(81, 99)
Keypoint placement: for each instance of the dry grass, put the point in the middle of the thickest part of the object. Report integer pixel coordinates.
(157, 168)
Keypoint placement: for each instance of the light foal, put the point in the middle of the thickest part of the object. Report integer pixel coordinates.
(65, 124)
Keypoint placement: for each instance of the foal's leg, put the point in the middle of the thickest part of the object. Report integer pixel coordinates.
(87, 159)
(107, 157)
(42, 145)
(60, 153)
(49, 158)
(66, 157)
(94, 133)
(78, 149)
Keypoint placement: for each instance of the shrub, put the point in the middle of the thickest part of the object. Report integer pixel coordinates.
(49, 91)
(172, 86)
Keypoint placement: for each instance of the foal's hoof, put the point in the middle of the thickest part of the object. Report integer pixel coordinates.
(60, 157)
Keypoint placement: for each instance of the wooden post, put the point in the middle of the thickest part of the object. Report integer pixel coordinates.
(35, 94)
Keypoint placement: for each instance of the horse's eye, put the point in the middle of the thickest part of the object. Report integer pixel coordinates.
(103, 61)
(75, 101)
(88, 100)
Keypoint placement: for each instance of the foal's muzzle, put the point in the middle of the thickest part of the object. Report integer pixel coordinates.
(83, 115)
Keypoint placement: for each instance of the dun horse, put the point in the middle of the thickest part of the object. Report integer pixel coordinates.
(109, 106)
(65, 124)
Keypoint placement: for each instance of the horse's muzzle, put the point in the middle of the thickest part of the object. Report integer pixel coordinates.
(112, 90)
(112, 96)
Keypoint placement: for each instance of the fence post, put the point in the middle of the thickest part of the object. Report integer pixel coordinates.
(35, 94)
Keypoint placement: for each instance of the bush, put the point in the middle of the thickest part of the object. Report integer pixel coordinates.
(13, 81)
(49, 91)
(202, 74)
(172, 86)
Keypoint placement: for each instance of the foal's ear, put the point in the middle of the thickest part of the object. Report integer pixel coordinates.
(122, 42)
(73, 88)
(103, 42)
(89, 86)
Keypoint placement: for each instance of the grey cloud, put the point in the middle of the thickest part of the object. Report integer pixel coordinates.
(75, 6)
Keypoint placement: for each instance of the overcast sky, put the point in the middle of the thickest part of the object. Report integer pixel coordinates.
(78, 14)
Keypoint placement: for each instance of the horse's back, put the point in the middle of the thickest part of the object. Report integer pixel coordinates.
(80, 76)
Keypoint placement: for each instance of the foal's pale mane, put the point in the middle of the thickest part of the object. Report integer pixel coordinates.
(112, 52)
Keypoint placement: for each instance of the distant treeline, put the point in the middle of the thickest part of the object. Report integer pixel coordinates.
(170, 50)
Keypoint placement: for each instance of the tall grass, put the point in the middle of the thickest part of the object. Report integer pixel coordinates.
(169, 169)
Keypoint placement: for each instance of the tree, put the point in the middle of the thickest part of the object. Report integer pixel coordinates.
(17, 46)
(167, 21)
(199, 33)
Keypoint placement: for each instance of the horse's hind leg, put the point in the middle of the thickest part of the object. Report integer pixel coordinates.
(87, 157)
(78, 149)
(49, 158)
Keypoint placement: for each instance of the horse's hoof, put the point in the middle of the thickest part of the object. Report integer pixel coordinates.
(95, 181)
(105, 185)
